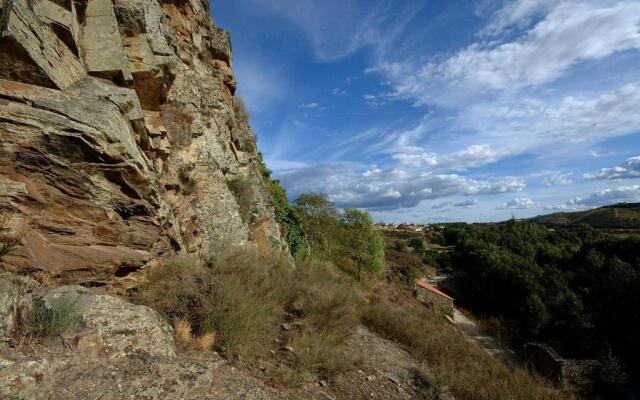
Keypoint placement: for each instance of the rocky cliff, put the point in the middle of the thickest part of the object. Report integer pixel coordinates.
(121, 141)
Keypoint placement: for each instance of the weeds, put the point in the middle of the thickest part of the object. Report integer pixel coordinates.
(242, 190)
(185, 339)
(232, 300)
(48, 320)
(6, 243)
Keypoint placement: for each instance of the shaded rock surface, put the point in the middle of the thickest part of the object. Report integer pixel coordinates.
(118, 137)
(101, 326)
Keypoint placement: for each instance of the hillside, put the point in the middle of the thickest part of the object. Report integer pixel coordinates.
(146, 252)
(616, 216)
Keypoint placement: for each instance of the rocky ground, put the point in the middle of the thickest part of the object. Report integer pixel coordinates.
(125, 351)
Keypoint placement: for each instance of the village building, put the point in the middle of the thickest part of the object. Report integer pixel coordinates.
(434, 297)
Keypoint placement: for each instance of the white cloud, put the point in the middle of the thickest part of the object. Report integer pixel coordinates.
(629, 169)
(570, 33)
(558, 178)
(608, 196)
(519, 203)
(471, 157)
(389, 188)
(309, 106)
(518, 13)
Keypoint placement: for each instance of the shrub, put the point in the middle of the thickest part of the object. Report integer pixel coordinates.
(418, 245)
(242, 190)
(233, 300)
(240, 110)
(6, 243)
(185, 339)
(48, 320)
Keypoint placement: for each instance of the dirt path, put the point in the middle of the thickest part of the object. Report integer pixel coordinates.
(485, 341)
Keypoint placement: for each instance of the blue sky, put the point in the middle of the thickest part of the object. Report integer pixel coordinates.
(426, 110)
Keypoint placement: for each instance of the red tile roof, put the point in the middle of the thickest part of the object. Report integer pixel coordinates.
(424, 284)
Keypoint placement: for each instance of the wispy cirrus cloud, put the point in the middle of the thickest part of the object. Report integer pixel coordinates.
(336, 29)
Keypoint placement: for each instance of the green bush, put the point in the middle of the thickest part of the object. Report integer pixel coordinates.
(48, 320)
(286, 215)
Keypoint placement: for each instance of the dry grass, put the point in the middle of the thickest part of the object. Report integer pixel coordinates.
(231, 301)
(447, 358)
(182, 333)
(204, 342)
(186, 340)
(7, 243)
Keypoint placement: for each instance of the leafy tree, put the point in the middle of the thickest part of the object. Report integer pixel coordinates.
(319, 218)
(418, 246)
(362, 243)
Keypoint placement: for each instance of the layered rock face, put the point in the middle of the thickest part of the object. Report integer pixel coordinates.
(119, 140)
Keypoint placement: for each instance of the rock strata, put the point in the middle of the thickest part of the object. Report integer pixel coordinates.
(119, 139)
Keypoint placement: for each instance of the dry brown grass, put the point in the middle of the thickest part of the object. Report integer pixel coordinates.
(204, 342)
(232, 300)
(447, 358)
(186, 340)
(182, 333)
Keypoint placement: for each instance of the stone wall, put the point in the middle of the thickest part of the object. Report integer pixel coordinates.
(565, 373)
(118, 137)
(433, 300)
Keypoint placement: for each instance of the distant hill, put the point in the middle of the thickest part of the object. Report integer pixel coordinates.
(616, 216)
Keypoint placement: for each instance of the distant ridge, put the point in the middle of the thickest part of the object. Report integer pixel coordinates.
(615, 216)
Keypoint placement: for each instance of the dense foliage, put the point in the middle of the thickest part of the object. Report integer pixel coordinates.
(576, 289)
(285, 213)
(347, 238)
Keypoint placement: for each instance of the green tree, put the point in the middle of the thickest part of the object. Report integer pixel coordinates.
(319, 219)
(362, 243)
(418, 245)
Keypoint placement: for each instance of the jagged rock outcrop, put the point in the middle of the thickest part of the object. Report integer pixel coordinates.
(119, 137)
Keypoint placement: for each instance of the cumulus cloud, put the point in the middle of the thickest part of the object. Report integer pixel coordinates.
(519, 203)
(629, 169)
(338, 92)
(558, 178)
(494, 86)
(608, 196)
(390, 188)
(469, 157)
